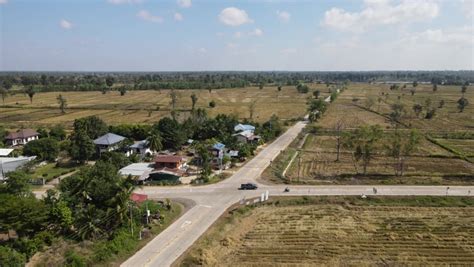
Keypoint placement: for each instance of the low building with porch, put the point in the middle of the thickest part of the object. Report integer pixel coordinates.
(170, 162)
(21, 137)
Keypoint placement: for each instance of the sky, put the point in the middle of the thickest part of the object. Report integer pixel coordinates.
(248, 35)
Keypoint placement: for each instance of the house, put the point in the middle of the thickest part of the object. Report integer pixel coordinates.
(218, 150)
(141, 148)
(21, 137)
(4, 152)
(109, 142)
(167, 174)
(9, 164)
(139, 171)
(244, 127)
(170, 162)
(247, 136)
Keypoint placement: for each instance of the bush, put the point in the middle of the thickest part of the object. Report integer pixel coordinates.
(212, 104)
(74, 260)
(11, 257)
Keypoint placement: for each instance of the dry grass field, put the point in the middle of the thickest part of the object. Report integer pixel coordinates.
(339, 231)
(134, 106)
(446, 161)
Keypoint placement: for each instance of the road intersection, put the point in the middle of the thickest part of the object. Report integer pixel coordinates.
(211, 201)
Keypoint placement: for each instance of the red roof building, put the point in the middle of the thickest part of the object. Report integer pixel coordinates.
(169, 161)
(138, 198)
(21, 137)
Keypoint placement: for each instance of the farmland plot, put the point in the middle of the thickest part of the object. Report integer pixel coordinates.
(340, 233)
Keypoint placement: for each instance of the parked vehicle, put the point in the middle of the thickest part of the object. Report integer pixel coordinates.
(248, 186)
(286, 190)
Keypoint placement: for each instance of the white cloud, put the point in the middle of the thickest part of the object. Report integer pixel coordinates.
(288, 51)
(184, 3)
(202, 50)
(145, 15)
(3, 1)
(256, 32)
(178, 16)
(65, 24)
(468, 8)
(453, 37)
(233, 16)
(380, 12)
(283, 16)
(120, 2)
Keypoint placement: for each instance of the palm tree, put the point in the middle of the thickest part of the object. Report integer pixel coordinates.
(155, 141)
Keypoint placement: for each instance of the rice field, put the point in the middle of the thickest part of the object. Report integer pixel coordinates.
(337, 232)
(149, 106)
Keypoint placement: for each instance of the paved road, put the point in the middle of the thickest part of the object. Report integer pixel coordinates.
(211, 201)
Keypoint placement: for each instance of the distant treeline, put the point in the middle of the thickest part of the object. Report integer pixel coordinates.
(99, 81)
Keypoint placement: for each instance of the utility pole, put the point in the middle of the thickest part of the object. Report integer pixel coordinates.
(147, 213)
(131, 219)
(299, 166)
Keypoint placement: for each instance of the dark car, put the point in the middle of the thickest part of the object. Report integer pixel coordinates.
(248, 186)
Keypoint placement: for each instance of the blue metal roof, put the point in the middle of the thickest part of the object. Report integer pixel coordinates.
(244, 127)
(218, 146)
(109, 139)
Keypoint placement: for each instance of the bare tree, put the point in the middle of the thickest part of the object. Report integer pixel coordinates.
(339, 127)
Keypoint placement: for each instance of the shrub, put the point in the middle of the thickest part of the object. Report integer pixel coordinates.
(11, 257)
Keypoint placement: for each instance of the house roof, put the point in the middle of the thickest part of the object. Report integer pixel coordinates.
(109, 139)
(218, 146)
(233, 153)
(246, 134)
(140, 144)
(168, 158)
(138, 198)
(5, 151)
(20, 134)
(244, 127)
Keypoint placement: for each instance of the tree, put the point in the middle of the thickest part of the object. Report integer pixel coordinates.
(57, 132)
(10, 257)
(109, 81)
(99, 198)
(279, 88)
(155, 141)
(400, 146)
(316, 94)
(212, 104)
(194, 100)
(417, 108)
(82, 148)
(338, 127)
(62, 103)
(435, 87)
(31, 93)
(363, 141)
(260, 86)
(119, 160)
(462, 103)
(397, 112)
(302, 88)
(415, 84)
(316, 109)
(18, 184)
(123, 90)
(93, 126)
(430, 113)
(43, 149)
(413, 91)
(463, 88)
(3, 94)
(252, 108)
(171, 133)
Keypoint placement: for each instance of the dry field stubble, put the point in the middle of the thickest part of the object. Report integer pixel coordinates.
(134, 106)
(340, 233)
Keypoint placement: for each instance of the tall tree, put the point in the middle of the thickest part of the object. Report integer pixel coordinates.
(3, 94)
(109, 81)
(339, 127)
(462, 103)
(400, 146)
(62, 103)
(82, 148)
(31, 93)
(93, 126)
(363, 143)
(252, 108)
(417, 108)
(194, 100)
(155, 141)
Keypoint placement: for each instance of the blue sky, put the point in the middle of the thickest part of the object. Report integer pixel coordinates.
(197, 35)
